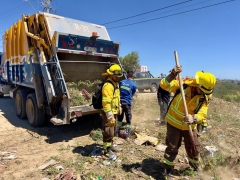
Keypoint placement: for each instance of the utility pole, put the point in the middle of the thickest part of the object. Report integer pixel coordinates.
(47, 8)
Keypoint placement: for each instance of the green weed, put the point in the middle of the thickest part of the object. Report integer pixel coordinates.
(51, 171)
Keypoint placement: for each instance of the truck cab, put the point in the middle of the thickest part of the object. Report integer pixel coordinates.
(146, 81)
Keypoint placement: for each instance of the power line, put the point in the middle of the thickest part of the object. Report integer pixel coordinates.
(12, 9)
(148, 12)
(183, 12)
(15, 12)
(17, 7)
(31, 5)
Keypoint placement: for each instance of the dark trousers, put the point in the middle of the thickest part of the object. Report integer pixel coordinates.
(108, 132)
(163, 109)
(126, 109)
(173, 142)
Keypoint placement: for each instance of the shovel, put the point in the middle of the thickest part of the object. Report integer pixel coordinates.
(183, 98)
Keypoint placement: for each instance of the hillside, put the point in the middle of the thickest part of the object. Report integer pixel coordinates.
(228, 90)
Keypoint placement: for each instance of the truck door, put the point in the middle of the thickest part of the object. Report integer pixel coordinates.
(139, 82)
(146, 80)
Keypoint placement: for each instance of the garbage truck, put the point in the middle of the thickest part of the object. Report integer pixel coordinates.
(41, 53)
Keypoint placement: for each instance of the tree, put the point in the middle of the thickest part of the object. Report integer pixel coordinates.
(130, 61)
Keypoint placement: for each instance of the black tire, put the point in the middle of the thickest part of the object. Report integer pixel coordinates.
(20, 103)
(35, 115)
(153, 88)
(1, 95)
(141, 90)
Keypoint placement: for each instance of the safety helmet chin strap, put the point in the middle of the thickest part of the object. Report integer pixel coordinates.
(201, 86)
(111, 76)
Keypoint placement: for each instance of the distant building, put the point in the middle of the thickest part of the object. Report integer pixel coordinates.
(141, 69)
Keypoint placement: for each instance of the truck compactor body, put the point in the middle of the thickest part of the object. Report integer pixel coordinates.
(41, 53)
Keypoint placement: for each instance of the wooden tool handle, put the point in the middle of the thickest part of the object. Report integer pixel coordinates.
(183, 96)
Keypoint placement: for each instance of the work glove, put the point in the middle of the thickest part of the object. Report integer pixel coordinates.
(120, 110)
(111, 122)
(176, 70)
(110, 118)
(109, 115)
(190, 119)
(173, 73)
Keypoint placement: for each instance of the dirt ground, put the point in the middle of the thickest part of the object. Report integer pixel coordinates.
(23, 149)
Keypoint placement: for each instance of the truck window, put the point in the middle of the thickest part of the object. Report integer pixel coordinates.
(137, 75)
(145, 75)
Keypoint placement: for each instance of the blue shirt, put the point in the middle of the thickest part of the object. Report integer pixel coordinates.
(127, 90)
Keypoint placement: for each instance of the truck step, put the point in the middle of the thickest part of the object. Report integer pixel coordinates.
(50, 63)
(56, 121)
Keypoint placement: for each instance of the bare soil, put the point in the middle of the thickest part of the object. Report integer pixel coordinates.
(69, 146)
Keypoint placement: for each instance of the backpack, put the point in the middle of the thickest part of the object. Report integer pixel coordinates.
(97, 96)
(178, 91)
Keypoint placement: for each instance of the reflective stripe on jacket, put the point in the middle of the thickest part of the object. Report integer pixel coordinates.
(176, 110)
(110, 98)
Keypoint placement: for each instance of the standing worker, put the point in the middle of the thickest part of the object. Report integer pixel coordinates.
(197, 94)
(127, 90)
(164, 97)
(111, 104)
(163, 101)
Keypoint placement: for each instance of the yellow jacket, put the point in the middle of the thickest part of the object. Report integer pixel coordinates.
(110, 98)
(176, 110)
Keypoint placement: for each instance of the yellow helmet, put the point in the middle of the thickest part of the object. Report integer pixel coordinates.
(206, 81)
(115, 70)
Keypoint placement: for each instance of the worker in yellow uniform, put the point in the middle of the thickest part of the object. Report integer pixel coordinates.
(111, 105)
(197, 103)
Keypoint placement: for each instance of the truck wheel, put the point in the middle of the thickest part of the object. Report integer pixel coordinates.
(20, 103)
(1, 95)
(140, 90)
(153, 88)
(35, 115)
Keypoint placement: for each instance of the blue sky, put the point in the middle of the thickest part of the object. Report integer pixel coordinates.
(206, 39)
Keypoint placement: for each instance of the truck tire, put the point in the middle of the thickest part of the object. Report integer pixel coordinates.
(20, 103)
(140, 90)
(153, 88)
(1, 95)
(35, 115)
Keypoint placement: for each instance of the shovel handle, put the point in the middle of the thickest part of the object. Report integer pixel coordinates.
(183, 96)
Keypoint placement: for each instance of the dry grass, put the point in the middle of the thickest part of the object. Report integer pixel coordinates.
(70, 147)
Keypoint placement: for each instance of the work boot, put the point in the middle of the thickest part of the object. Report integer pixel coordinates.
(167, 174)
(198, 171)
(163, 122)
(119, 125)
(115, 149)
(128, 130)
(202, 132)
(108, 153)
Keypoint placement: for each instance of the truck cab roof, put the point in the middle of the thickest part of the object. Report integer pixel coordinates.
(146, 74)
